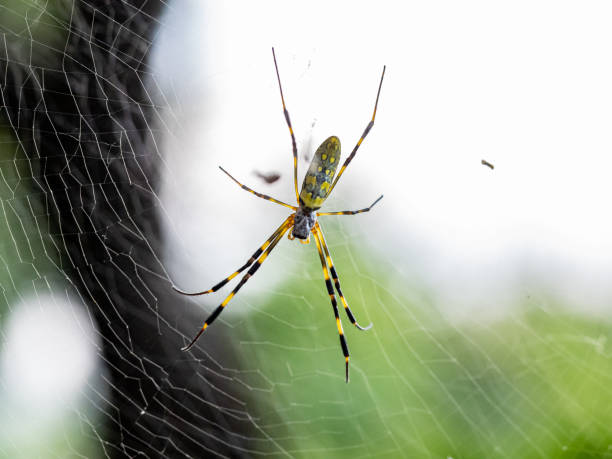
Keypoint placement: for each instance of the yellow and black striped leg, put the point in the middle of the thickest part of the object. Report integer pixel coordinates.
(334, 275)
(211, 318)
(330, 291)
(242, 268)
(351, 212)
(293, 144)
(363, 136)
(259, 195)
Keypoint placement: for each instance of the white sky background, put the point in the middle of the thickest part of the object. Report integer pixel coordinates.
(526, 85)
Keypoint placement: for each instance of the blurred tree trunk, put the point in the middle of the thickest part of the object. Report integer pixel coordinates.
(78, 101)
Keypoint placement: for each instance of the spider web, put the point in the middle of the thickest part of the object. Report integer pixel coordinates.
(92, 193)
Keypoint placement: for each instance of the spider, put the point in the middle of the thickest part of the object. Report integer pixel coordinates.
(302, 222)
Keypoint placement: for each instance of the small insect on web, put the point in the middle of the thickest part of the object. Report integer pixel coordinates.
(317, 186)
(269, 178)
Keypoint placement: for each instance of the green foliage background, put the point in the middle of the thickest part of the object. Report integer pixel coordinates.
(536, 383)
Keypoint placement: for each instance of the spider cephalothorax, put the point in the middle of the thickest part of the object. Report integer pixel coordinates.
(303, 222)
(318, 184)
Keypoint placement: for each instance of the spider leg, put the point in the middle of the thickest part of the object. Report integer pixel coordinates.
(330, 291)
(293, 144)
(260, 195)
(245, 266)
(334, 275)
(363, 136)
(351, 212)
(211, 318)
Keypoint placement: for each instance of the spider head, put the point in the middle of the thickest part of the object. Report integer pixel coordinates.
(303, 222)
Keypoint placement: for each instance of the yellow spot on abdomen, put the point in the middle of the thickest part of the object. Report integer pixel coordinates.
(324, 157)
(332, 159)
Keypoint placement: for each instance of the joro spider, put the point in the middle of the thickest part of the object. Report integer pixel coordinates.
(316, 188)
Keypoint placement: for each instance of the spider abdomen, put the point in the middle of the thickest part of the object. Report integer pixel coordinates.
(320, 174)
